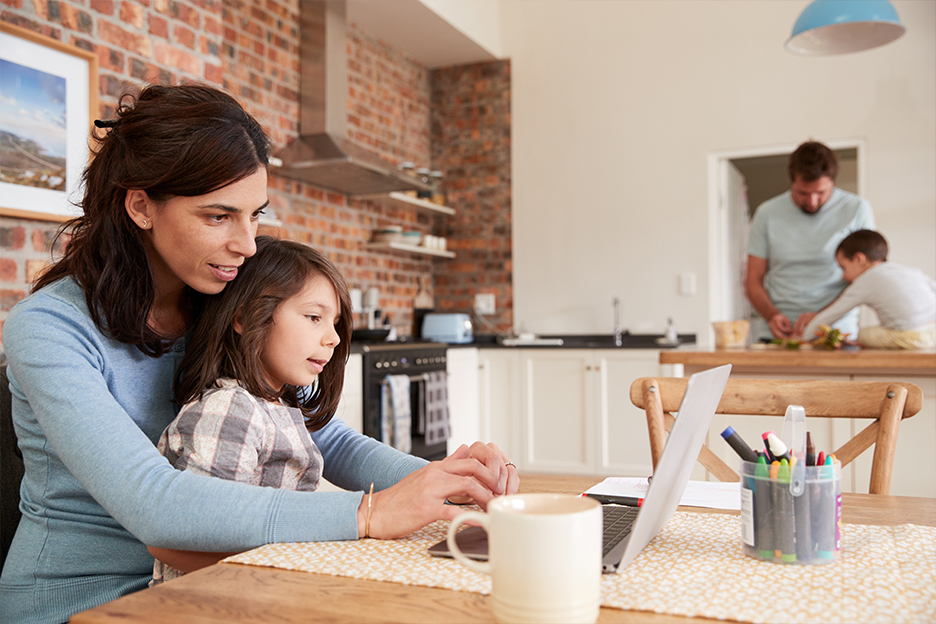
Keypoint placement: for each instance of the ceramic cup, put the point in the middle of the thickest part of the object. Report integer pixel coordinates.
(544, 557)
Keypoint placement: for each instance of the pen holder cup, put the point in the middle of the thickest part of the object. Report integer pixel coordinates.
(794, 516)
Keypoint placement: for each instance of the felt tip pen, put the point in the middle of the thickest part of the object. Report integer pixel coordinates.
(739, 445)
(810, 450)
(629, 501)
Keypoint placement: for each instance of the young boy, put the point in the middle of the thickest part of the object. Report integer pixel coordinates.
(903, 297)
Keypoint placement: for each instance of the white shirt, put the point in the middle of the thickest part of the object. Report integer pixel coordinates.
(903, 297)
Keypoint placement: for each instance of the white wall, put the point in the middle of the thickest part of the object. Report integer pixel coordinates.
(477, 19)
(616, 106)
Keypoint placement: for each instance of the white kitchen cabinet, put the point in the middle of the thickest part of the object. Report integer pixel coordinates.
(461, 367)
(351, 406)
(567, 411)
(499, 397)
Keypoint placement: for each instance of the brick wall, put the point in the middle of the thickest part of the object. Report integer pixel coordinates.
(250, 48)
(471, 144)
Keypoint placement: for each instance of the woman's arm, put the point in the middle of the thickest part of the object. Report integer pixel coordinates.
(102, 405)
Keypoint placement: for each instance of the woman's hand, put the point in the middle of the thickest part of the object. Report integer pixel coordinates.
(508, 480)
(477, 473)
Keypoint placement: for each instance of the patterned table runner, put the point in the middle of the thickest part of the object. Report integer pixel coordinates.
(694, 567)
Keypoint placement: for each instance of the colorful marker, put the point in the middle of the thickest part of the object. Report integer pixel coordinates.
(810, 450)
(786, 539)
(820, 459)
(739, 445)
(776, 446)
(775, 516)
(763, 509)
(827, 511)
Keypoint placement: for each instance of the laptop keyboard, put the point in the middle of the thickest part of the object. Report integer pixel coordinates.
(618, 522)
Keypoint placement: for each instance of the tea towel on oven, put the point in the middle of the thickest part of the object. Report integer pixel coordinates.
(436, 407)
(395, 418)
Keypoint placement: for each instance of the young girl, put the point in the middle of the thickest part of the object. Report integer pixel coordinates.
(282, 327)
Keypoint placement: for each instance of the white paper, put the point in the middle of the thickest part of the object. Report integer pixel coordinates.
(710, 494)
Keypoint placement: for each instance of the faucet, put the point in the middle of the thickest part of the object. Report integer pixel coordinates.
(617, 322)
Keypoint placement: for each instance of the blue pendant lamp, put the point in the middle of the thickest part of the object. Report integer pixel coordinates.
(842, 26)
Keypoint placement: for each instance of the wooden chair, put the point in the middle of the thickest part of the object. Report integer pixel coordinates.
(886, 403)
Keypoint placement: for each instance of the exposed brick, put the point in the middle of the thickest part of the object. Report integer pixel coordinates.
(132, 42)
(34, 268)
(183, 35)
(105, 7)
(214, 73)
(132, 13)
(174, 57)
(110, 58)
(10, 297)
(8, 270)
(12, 238)
(158, 26)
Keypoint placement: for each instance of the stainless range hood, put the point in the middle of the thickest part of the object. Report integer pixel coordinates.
(322, 155)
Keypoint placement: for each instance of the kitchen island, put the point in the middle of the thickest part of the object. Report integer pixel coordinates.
(774, 359)
(915, 463)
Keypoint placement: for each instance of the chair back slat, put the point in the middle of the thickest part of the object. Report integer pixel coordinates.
(887, 403)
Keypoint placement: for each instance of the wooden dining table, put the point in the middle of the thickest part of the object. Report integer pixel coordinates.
(232, 593)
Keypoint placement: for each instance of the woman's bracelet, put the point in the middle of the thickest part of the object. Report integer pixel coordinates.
(370, 495)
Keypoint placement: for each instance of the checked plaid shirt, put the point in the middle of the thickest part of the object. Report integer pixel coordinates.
(231, 434)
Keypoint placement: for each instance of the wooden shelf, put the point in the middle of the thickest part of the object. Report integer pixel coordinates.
(411, 249)
(402, 199)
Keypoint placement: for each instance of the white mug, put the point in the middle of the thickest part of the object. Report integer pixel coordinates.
(544, 557)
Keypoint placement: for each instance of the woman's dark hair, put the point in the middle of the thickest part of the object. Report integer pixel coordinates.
(868, 242)
(278, 271)
(811, 161)
(169, 141)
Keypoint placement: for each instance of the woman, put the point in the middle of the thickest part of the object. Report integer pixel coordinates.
(171, 203)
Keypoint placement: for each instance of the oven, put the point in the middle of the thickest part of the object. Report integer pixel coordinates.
(413, 359)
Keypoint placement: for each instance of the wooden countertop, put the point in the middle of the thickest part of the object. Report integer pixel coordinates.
(864, 361)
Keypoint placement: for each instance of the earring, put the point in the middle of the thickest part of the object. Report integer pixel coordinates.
(144, 222)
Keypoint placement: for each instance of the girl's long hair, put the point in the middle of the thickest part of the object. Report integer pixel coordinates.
(185, 140)
(278, 271)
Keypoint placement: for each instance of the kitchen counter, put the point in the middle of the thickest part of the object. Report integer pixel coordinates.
(771, 359)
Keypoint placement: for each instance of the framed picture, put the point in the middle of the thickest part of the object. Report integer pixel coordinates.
(48, 101)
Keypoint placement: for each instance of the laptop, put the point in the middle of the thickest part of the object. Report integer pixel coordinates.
(628, 530)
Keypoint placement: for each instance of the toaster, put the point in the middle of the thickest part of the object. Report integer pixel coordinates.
(450, 328)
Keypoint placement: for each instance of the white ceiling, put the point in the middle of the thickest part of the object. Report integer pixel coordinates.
(411, 27)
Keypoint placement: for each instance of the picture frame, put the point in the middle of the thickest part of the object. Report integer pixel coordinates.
(48, 102)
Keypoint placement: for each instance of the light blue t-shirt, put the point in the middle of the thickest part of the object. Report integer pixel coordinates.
(88, 411)
(802, 275)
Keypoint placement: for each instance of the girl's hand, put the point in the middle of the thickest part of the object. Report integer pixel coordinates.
(420, 498)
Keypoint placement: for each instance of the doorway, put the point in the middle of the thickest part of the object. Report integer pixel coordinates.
(739, 182)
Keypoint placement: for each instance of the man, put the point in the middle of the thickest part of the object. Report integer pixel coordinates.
(791, 266)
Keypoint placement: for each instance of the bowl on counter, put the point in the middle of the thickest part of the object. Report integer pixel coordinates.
(731, 334)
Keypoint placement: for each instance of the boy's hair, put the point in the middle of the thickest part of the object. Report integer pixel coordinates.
(278, 271)
(811, 161)
(170, 141)
(868, 242)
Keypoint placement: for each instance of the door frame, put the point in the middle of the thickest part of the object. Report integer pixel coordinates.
(717, 244)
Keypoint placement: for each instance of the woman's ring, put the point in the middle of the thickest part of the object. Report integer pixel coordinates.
(510, 464)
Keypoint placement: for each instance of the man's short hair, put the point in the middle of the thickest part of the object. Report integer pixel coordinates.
(812, 160)
(868, 242)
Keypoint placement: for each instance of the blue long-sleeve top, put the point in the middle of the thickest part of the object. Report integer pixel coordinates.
(88, 411)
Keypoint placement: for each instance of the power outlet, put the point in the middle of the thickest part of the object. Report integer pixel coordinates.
(484, 303)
